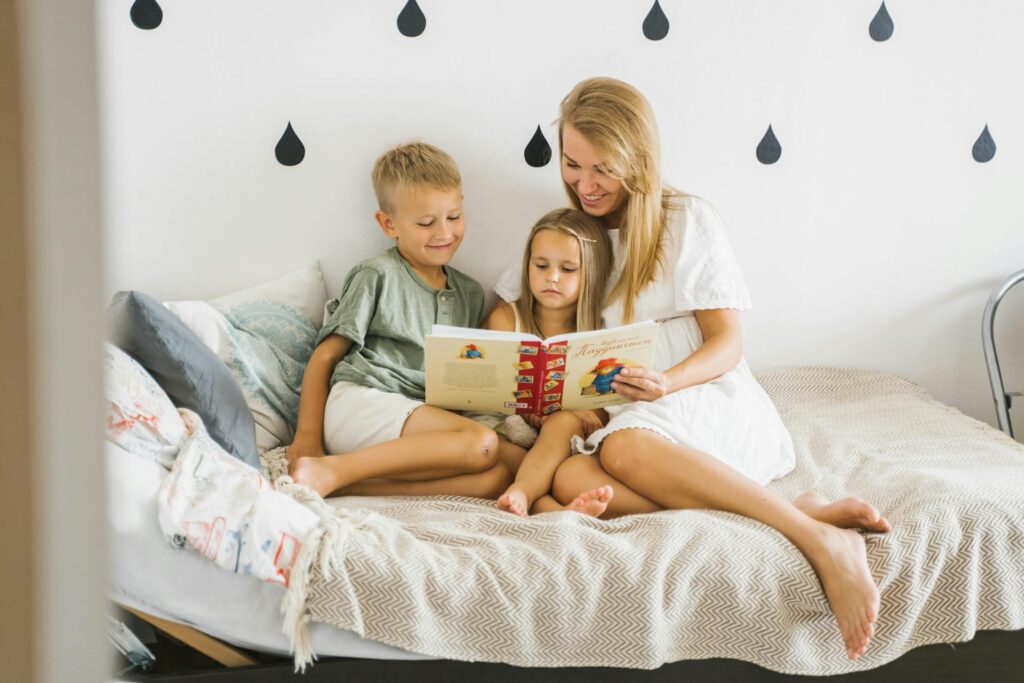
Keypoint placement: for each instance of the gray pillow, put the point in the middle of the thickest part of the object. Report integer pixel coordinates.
(192, 375)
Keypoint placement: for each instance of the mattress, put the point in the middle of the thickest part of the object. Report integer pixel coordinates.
(146, 573)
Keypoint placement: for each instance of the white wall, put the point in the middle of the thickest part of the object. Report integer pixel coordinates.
(873, 242)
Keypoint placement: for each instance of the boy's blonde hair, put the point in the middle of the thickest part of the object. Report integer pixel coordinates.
(595, 265)
(618, 122)
(414, 163)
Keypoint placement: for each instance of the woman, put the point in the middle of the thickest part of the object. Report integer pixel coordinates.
(701, 433)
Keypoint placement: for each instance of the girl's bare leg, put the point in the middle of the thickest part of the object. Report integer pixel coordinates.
(487, 484)
(581, 474)
(534, 478)
(434, 444)
(674, 476)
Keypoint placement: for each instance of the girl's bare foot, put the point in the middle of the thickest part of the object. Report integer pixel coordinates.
(848, 513)
(840, 560)
(593, 502)
(514, 501)
(314, 473)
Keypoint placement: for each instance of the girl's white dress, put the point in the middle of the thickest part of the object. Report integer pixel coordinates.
(731, 417)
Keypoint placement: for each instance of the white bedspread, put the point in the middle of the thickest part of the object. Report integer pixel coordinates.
(455, 578)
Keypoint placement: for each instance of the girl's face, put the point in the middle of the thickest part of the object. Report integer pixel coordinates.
(582, 170)
(555, 269)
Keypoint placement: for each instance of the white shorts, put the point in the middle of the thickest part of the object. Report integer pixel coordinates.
(359, 417)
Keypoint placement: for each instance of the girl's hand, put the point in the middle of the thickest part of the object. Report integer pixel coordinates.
(591, 421)
(535, 421)
(641, 384)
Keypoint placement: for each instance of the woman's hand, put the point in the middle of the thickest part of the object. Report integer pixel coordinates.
(641, 384)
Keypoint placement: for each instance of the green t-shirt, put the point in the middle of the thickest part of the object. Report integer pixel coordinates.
(387, 310)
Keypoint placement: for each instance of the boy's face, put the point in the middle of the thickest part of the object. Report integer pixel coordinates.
(427, 225)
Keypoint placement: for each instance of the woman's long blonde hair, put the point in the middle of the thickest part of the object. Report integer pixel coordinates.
(595, 265)
(619, 124)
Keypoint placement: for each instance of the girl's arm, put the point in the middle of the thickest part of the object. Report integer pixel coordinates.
(316, 385)
(720, 353)
(501, 318)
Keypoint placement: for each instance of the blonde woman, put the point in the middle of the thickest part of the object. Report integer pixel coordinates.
(701, 433)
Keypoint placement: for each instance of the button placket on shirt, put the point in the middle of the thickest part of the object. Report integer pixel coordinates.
(444, 308)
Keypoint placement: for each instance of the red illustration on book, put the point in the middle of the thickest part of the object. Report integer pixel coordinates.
(599, 379)
(284, 559)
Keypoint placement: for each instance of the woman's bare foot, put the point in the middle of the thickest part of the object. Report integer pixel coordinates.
(514, 501)
(314, 473)
(848, 513)
(593, 502)
(840, 560)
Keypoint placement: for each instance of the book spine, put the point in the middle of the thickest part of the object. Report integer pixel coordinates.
(529, 374)
(553, 374)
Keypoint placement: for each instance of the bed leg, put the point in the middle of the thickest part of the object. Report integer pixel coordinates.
(217, 650)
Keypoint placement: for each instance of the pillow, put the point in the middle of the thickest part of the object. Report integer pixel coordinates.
(188, 371)
(140, 417)
(265, 335)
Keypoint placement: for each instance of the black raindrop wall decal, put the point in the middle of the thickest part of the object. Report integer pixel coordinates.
(411, 21)
(290, 151)
(769, 150)
(984, 147)
(538, 151)
(881, 26)
(656, 23)
(146, 14)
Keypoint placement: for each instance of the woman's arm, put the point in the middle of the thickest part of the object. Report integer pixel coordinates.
(501, 318)
(720, 353)
(316, 381)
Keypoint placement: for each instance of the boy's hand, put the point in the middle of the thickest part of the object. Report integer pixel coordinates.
(303, 447)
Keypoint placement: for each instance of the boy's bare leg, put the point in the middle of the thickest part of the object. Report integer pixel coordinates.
(677, 477)
(534, 477)
(488, 484)
(435, 443)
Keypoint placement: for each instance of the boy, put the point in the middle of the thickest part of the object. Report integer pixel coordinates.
(363, 388)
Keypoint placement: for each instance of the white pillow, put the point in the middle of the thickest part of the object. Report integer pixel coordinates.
(140, 416)
(265, 335)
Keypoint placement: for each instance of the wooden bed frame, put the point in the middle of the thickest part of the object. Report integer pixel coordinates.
(993, 657)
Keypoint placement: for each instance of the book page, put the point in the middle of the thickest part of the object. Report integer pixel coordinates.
(472, 372)
(591, 360)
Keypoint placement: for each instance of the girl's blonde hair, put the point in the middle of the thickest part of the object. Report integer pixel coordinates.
(595, 264)
(619, 124)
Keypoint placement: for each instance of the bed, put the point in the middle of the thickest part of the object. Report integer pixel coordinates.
(952, 570)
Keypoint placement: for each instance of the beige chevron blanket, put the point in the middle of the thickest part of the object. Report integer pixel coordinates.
(455, 578)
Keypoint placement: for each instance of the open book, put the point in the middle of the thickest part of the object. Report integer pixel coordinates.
(512, 372)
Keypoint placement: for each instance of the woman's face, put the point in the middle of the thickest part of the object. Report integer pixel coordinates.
(582, 170)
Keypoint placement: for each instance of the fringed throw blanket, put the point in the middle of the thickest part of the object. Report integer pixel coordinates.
(455, 578)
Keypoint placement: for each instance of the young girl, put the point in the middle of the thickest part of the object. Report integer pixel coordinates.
(565, 269)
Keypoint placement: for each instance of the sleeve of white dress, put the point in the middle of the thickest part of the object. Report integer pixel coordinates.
(508, 285)
(706, 273)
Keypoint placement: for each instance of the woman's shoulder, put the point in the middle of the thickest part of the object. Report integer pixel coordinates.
(682, 206)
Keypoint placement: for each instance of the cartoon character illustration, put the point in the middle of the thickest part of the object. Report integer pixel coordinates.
(471, 352)
(603, 374)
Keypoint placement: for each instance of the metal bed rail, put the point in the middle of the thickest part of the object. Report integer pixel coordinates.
(1003, 399)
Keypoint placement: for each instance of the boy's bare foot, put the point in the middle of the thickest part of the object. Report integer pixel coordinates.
(314, 473)
(840, 560)
(514, 501)
(848, 513)
(593, 502)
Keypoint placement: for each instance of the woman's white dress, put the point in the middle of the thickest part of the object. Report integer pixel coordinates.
(731, 417)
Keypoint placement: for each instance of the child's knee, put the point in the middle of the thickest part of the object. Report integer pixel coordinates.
(564, 419)
(482, 450)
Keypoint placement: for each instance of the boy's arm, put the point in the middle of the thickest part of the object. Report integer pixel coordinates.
(316, 380)
(501, 318)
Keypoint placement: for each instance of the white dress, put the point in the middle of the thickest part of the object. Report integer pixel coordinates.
(731, 417)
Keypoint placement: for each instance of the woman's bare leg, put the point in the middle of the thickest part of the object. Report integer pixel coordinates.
(675, 477)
